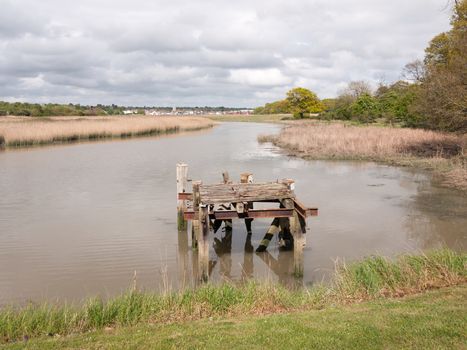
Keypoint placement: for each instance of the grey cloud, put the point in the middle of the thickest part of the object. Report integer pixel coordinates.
(238, 53)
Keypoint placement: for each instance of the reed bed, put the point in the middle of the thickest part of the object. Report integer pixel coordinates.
(24, 131)
(374, 277)
(445, 153)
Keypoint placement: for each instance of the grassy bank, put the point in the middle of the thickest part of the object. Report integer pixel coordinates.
(445, 154)
(433, 320)
(372, 278)
(24, 131)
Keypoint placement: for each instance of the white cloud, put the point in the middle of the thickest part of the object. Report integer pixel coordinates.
(259, 77)
(237, 53)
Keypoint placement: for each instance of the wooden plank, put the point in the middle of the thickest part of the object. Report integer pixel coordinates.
(244, 192)
(185, 196)
(303, 210)
(233, 214)
(189, 197)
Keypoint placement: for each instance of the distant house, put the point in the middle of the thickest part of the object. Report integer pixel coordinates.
(130, 111)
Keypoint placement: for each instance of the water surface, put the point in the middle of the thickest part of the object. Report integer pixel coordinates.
(78, 221)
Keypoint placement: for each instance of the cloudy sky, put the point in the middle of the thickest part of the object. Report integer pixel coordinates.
(200, 52)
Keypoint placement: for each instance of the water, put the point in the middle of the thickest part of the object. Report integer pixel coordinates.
(79, 220)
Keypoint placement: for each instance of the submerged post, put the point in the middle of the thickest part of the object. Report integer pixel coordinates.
(195, 222)
(296, 229)
(203, 242)
(182, 181)
(247, 178)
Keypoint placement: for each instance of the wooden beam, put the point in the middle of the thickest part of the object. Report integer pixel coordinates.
(185, 196)
(252, 213)
(303, 210)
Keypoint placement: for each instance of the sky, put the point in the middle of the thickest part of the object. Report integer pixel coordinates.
(235, 53)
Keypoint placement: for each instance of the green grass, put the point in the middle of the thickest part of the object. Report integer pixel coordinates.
(433, 320)
(372, 278)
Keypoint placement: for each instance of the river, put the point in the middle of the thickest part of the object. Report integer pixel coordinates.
(80, 220)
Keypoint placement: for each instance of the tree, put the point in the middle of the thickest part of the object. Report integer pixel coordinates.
(365, 108)
(414, 71)
(443, 95)
(357, 88)
(302, 101)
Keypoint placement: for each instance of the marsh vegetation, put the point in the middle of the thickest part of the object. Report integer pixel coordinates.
(26, 131)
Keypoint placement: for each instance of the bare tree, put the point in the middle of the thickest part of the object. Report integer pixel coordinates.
(357, 88)
(414, 71)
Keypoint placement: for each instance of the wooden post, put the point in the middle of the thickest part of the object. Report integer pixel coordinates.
(182, 175)
(247, 178)
(195, 228)
(299, 240)
(203, 242)
(225, 177)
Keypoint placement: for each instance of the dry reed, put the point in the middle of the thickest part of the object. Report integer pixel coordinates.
(442, 152)
(24, 131)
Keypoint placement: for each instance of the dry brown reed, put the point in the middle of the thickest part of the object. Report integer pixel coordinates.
(443, 152)
(26, 131)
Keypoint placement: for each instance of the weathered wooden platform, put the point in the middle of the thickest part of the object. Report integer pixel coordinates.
(226, 201)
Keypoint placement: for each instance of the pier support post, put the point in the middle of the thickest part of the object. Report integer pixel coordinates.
(247, 178)
(182, 180)
(296, 229)
(203, 242)
(195, 227)
(299, 242)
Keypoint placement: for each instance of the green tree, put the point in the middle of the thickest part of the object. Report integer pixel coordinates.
(303, 101)
(442, 100)
(365, 108)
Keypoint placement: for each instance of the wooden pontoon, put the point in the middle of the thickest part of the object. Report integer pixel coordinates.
(209, 202)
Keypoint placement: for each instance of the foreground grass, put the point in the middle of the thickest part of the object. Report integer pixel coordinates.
(445, 154)
(24, 131)
(432, 320)
(372, 278)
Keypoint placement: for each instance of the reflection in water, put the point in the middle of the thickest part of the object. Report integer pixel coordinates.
(77, 221)
(281, 265)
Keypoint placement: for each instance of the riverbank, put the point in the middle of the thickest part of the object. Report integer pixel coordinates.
(27, 131)
(432, 320)
(371, 279)
(444, 154)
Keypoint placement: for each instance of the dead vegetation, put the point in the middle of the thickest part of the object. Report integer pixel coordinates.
(26, 131)
(445, 153)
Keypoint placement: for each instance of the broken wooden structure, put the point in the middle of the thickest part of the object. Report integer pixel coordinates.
(227, 201)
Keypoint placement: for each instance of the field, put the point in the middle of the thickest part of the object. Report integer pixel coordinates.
(374, 278)
(445, 153)
(26, 131)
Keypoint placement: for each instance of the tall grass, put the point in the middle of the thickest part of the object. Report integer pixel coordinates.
(24, 131)
(445, 153)
(371, 278)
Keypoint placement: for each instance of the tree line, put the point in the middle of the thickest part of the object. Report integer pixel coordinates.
(54, 109)
(432, 94)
